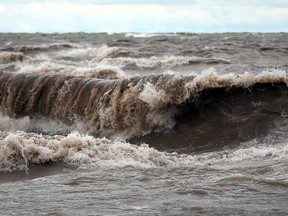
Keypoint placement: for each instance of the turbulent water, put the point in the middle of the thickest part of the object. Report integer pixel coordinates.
(143, 124)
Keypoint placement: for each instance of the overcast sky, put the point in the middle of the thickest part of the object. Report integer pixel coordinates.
(143, 15)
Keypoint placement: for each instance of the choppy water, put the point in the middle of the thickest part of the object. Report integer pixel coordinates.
(143, 124)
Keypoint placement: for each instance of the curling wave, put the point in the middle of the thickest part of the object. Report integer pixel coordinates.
(122, 107)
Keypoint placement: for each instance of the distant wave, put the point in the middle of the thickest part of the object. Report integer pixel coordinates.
(160, 62)
(42, 47)
(147, 35)
(102, 56)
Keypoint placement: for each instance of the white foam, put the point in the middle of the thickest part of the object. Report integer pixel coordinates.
(40, 124)
(147, 35)
(152, 96)
(19, 149)
(8, 124)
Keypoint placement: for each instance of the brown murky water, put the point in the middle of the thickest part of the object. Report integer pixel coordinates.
(163, 124)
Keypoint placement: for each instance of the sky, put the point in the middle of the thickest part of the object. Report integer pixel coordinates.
(143, 16)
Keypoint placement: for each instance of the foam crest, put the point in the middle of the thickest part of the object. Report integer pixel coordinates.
(211, 79)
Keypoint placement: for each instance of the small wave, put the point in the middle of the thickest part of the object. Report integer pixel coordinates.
(162, 62)
(98, 53)
(43, 47)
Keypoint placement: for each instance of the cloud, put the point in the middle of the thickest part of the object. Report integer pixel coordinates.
(274, 3)
(143, 16)
(2, 9)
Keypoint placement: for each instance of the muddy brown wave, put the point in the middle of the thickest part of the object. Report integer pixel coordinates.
(106, 106)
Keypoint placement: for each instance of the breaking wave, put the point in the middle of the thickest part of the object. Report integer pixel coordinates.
(120, 107)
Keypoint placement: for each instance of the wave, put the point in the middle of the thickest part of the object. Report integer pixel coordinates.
(131, 106)
(98, 53)
(122, 107)
(42, 47)
(101, 72)
(75, 53)
(148, 35)
(19, 150)
(162, 62)
(8, 57)
(221, 118)
(107, 106)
